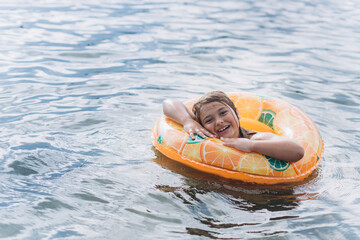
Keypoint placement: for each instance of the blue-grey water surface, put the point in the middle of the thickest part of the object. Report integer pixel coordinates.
(82, 83)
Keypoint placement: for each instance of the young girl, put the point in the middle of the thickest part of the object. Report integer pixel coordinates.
(215, 115)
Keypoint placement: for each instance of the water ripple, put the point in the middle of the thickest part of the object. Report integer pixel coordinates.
(82, 84)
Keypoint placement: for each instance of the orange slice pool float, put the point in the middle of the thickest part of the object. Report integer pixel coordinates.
(259, 114)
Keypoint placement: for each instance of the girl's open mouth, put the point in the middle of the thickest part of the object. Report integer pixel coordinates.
(223, 129)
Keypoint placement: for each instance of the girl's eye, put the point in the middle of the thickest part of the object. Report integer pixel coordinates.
(223, 113)
(208, 120)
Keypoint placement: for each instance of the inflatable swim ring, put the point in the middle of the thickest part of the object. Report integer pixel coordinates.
(257, 113)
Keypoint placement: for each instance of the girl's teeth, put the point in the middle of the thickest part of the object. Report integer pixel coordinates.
(223, 129)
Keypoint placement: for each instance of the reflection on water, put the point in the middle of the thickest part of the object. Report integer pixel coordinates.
(243, 196)
(240, 196)
(82, 84)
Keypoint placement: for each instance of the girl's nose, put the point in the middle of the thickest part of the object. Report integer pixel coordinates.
(219, 121)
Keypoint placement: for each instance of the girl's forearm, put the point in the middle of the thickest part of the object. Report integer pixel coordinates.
(177, 111)
(282, 149)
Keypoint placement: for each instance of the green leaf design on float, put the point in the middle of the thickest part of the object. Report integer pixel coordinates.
(197, 139)
(160, 139)
(267, 117)
(278, 165)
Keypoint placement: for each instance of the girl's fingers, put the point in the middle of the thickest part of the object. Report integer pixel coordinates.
(207, 133)
(200, 133)
(191, 134)
(228, 144)
(225, 139)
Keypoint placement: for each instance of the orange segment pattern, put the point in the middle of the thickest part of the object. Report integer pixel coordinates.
(249, 106)
(275, 105)
(213, 152)
(254, 163)
(191, 151)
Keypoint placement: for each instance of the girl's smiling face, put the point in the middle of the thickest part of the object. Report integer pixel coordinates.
(220, 120)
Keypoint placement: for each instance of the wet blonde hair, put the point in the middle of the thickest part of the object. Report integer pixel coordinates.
(221, 97)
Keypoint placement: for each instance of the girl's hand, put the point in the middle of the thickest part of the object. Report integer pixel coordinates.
(193, 127)
(177, 111)
(242, 144)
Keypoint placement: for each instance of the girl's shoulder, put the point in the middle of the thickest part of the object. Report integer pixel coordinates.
(250, 132)
(262, 136)
(247, 133)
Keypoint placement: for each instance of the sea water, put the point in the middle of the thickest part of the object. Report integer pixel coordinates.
(82, 83)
